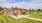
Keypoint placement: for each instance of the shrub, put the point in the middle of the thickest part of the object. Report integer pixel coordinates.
(23, 12)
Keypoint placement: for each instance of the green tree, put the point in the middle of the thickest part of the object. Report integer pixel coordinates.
(32, 9)
(39, 10)
(1, 8)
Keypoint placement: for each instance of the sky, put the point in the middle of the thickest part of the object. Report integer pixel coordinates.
(26, 4)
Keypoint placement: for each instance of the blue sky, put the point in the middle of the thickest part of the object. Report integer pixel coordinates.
(34, 4)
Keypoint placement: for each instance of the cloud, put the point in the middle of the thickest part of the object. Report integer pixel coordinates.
(34, 4)
(1, 1)
(36, 1)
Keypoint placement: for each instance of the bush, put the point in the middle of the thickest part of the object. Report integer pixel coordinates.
(23, 12)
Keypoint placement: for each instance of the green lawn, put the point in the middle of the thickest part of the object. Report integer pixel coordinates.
(35, 14)
(7, 19)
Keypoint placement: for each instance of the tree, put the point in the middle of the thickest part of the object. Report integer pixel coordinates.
(32, 9)
(1, 8)
(39, 10)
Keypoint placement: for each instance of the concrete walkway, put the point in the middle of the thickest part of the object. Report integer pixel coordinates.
(25, 16)
(34, 18)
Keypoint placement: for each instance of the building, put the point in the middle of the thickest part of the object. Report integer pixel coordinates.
(6, 11)
(18, 11)
(15, 11)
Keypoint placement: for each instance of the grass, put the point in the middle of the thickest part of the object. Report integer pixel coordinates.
(35, 14)
(7, 19)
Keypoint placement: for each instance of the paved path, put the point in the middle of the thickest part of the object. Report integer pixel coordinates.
(34, 18)
(25, 16)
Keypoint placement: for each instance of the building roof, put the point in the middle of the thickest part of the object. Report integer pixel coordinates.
(16, 8)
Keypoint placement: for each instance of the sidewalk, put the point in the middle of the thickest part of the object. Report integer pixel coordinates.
(25, 16)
